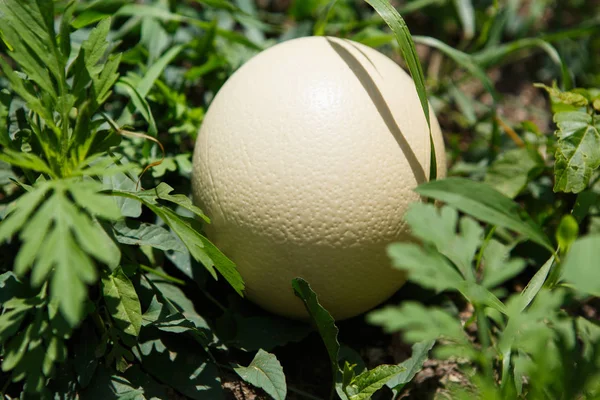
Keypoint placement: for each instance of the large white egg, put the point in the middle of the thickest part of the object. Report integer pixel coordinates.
(306, 163)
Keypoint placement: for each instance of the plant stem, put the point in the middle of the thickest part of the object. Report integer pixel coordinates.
(485, 340)
(213, 300)
(486, 241)
(162, 275)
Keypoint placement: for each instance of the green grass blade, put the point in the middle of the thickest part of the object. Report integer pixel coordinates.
(466, 13)
(494, 55)
(319, 29)
(407, 46)
(486, 204)
(463, 59)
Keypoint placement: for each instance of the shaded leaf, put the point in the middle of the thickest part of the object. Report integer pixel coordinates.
(265, 372)
(321, 318)
(122, 302)
(580, 267)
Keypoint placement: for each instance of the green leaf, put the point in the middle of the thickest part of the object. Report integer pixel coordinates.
(26, 161)
(580, 266)
(364, 385)
(512, 170)
(179, 363)
(535, 284)
(428, 269)
(108, 385)
(321, 318)
(412, 366)
(578, 150)
(161, 192)
(497, 266)
(120, 181)
(26, 28)
(122, 302)
(407, 46)
(200, 248)
(58, 239)
(265, 372)
(133, 232)
(438, 227)
(486, 204)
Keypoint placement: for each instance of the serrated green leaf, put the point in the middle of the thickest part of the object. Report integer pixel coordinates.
(419, 323)
(438, 227)
(64, 32)
(122, 302)
(265, 372)
(580, 266)
(27, 29)
(107, 78)
(24, 207)
(366, 384)
(485, 203)
(429, 269)
(26, 161)
(18, 86)
(578, 150)
(497, 266)
(161, 192)
(88, 197)
(321, 318)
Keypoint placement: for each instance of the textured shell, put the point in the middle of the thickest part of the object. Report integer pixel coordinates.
(306, 163)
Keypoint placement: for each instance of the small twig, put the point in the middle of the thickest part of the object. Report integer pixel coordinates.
(510, 132)
(127, 133)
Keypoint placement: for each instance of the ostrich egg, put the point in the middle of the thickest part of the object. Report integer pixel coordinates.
(306, 163)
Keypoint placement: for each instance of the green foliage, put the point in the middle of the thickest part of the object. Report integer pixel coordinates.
(107, 290)
(525, 335)
(577, 148)
(348, 385)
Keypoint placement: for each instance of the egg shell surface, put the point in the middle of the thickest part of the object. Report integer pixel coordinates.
(306, 163)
